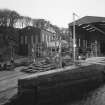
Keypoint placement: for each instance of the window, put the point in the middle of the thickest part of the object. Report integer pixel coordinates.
(25, 39)
(32, 40)
(21, 40)
(43, 37)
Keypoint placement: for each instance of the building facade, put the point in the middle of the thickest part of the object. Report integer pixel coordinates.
(36, 42)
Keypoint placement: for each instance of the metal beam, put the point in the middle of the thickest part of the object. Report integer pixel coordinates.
(98, 29)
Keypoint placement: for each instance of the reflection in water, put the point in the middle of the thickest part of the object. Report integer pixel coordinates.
(94, 97)
(86, 94)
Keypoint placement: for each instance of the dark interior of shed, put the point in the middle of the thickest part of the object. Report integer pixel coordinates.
(93, 33)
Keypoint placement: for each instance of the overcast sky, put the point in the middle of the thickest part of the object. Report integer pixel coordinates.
(58, 12)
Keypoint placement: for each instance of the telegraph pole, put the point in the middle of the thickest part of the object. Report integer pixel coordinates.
(74, 42)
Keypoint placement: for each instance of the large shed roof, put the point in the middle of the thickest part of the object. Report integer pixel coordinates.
(88, 19)
(91, 24)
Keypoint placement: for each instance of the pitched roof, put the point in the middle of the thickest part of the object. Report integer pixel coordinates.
(88, 19)
(91, 24)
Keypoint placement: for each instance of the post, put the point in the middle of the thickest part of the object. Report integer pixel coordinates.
(33, 49)
(34, 52)
(60, 56)
(79, 42)
(12, 53)
(74, 44)
(96, 47)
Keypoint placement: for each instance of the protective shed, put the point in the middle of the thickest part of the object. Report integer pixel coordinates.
(90, 35)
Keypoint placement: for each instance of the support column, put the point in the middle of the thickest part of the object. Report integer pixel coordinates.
(71, 41)
(86, 43)
(96, 47)
(79, 42)
(74, 39)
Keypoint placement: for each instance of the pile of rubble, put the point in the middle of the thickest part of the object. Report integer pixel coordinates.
(39, 67)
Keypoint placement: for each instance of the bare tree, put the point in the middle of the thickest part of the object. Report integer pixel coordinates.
(8, 17)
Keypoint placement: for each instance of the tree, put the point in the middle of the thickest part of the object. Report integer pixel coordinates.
(8, 17)
(13, 16)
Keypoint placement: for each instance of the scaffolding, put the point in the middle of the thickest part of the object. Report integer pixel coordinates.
(91, 48)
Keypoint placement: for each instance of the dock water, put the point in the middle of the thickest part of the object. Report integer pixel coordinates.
(83, 85)
(58, 87)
